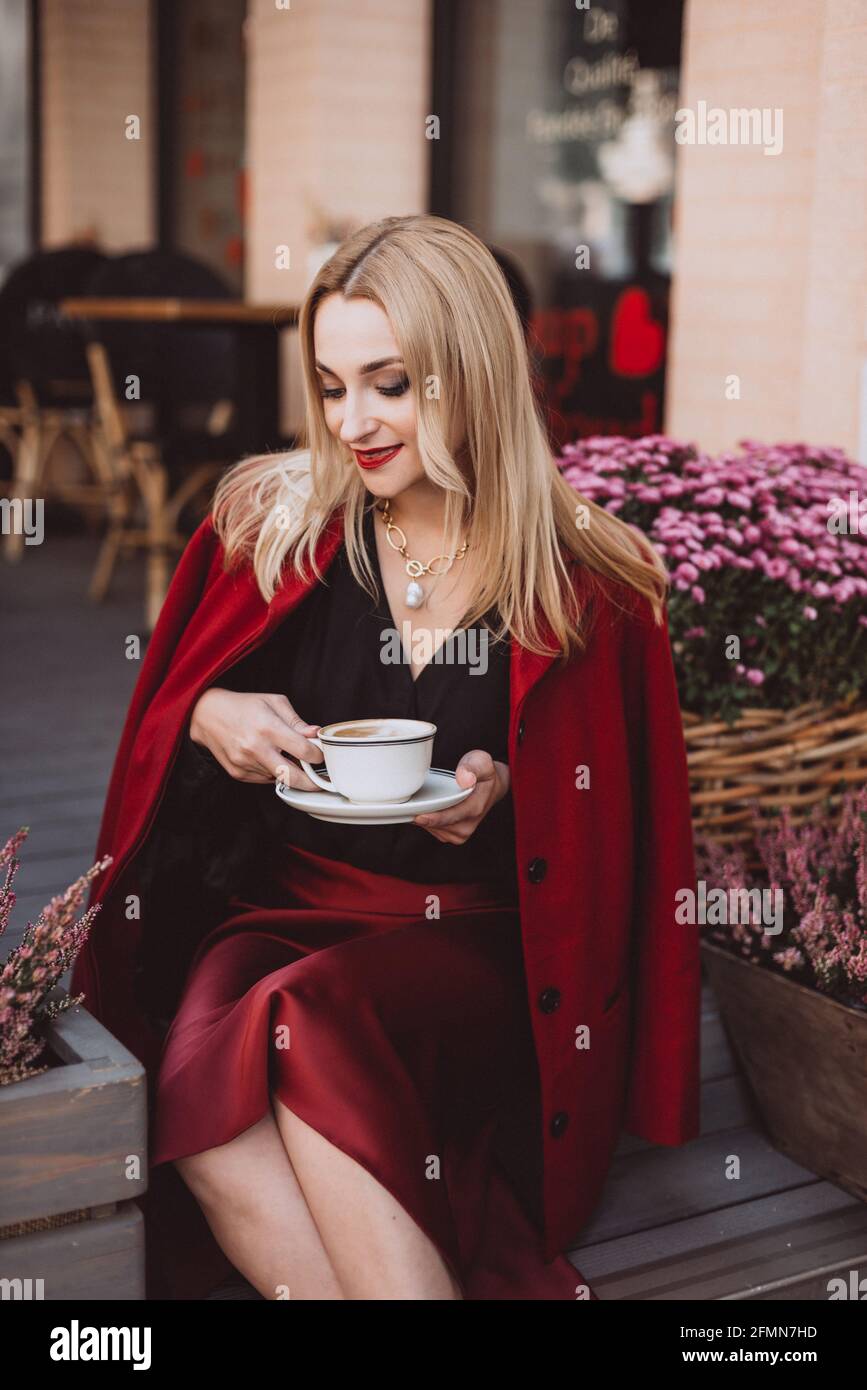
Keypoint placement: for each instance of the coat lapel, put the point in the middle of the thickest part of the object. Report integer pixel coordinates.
(526, 670)
(527, 667)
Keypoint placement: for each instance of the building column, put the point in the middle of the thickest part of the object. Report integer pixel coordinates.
(770, 281)
(338, 93)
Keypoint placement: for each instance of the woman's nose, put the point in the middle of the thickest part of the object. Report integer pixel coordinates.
(355, 425)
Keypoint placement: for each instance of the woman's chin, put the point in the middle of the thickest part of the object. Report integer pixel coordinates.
(389, 482)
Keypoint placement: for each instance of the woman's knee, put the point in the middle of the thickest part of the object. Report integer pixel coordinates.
(202, 1174)
(229, 1169)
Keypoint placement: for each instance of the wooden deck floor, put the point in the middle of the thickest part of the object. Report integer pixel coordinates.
(671, 1224)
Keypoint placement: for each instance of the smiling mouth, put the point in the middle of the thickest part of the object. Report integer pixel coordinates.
(375, 458)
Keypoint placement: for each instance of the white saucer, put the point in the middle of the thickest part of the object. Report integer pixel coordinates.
(437, 792)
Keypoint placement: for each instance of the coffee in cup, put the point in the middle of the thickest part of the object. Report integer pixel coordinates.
(381, 760)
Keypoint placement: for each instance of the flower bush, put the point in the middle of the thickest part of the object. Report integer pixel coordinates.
(48, 949)
(821, 868)
(755, 552)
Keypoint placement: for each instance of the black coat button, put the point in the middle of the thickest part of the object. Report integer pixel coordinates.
(521, 727)
(549, 1000)
(559, 1123)
(536, 870)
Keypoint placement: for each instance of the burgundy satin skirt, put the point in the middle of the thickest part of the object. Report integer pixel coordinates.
(391, 1017)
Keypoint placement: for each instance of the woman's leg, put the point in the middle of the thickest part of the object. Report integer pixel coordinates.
(375, 1247)
(259, 1216)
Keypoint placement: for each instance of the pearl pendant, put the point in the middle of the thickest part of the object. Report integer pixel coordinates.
(414, 594)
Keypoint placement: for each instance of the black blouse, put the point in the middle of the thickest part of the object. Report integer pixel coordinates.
(327, 656)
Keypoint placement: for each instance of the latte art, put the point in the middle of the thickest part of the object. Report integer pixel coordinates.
(363, 731)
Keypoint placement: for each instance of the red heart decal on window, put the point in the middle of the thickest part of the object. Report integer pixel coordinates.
(637, 340)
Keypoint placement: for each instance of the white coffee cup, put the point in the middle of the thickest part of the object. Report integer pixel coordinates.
(374, 759)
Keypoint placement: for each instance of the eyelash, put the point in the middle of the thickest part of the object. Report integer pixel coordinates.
(333, 393)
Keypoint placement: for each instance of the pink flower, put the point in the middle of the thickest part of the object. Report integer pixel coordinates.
(48, 949)
(776, 569)
(810, 613)
(747, 525)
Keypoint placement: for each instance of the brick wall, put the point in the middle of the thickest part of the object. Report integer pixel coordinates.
(771, 253)
(337, 96)
(96, 70)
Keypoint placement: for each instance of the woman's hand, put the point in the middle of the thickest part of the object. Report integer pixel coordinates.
(491, 782)
(251, 735)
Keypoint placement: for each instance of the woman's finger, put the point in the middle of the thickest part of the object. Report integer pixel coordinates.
(257, 758)
(293, 776)
(290, 730)
(450, 837)
(470, 809)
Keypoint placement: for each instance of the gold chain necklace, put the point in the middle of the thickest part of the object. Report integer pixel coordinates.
(415, 594)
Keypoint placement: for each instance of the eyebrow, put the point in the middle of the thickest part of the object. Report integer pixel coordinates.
(366, 369)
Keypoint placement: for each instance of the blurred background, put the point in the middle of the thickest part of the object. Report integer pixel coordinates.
(173, 173)
(218, 149)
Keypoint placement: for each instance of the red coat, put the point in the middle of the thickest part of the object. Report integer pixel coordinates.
(598, 866)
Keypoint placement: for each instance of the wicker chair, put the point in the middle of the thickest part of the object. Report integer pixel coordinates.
(44, 386)
(140, 477)
(189, 378)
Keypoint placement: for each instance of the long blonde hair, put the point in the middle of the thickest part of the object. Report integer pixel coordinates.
(465, 356)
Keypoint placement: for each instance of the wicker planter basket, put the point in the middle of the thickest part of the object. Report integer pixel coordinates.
(772, 758)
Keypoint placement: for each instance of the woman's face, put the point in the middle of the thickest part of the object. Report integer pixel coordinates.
(366, 395)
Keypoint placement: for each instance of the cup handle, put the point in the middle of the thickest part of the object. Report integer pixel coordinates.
(314, 776)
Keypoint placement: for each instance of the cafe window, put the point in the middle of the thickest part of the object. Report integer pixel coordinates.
(201, 66)
(556, 146)
(18, 181)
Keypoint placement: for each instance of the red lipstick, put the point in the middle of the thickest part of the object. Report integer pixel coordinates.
(375, 458)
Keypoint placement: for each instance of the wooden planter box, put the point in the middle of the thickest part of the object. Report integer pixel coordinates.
(68, 1216)
(804, 1057)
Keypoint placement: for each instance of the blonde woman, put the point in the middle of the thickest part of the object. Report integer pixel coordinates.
(393, 1061)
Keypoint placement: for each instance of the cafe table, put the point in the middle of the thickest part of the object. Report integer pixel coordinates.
(258, 327)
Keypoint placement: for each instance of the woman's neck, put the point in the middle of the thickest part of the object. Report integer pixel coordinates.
(420, 511)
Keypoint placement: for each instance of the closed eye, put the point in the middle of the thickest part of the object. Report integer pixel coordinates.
(397, 388)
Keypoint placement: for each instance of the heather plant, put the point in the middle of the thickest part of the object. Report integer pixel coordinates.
(821, 867)
(48, 949)
(767, 553)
